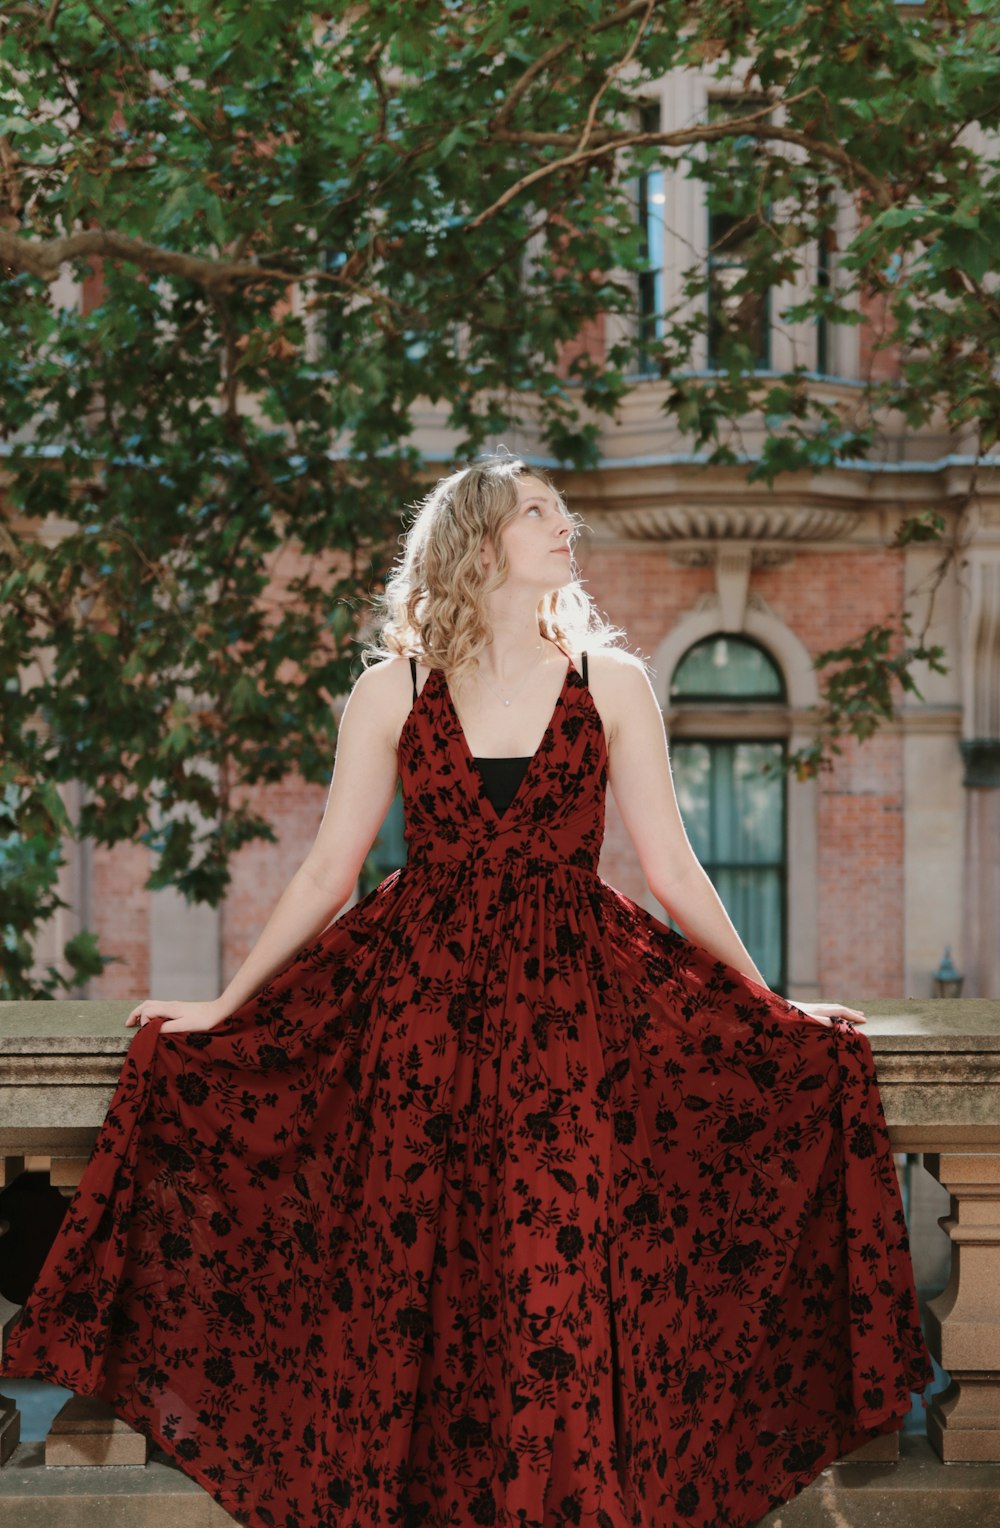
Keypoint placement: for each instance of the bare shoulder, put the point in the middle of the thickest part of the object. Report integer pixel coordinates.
(617, 679)
(613, 661)
(381, 696)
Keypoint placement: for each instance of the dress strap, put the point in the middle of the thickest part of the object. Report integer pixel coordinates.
(584, 657)
(413, 671)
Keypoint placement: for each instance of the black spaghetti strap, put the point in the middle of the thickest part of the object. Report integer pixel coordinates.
(584, 657)
(413, 671)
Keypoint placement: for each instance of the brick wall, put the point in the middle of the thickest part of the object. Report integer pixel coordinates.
(261, 870)
(119, 917)
(827, 599)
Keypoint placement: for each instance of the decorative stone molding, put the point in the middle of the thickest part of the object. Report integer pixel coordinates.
(981, 667)
(761, 624)
(732, 584)
(706, 555)
(763, 521)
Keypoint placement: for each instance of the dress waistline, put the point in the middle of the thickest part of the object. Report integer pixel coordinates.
(506, 858)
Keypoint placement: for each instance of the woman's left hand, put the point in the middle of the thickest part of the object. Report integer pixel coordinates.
(824, 1012)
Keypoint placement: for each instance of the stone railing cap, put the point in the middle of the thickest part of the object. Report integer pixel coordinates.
(893, 1025)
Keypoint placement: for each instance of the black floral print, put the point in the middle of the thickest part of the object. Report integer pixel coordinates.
(502, 1203)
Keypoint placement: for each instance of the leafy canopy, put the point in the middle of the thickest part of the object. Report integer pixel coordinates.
(308, 221)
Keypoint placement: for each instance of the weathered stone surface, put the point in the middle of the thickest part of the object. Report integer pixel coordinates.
(917, 1492)
(85, 1431)
(157, 1495)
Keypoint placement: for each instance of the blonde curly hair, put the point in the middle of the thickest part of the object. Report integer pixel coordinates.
(433, 605)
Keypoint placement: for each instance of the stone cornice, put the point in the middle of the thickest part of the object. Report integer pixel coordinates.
(724, 717)
(714, 521)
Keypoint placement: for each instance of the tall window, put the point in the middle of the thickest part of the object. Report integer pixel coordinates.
(734, 316)
(651, 202)
(731, 793)
(823, 284)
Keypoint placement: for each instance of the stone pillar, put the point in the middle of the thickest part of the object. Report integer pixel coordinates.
(963, 1321)
(10, 1417)
(981, 755)
(982, 858)
(86, 1431)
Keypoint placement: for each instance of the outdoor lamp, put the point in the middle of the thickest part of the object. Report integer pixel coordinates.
(947, 981)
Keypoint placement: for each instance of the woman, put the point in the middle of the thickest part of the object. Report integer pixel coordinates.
(493, 1200)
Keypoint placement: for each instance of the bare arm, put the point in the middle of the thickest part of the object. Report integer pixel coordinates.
(361, 792)
(640, 777)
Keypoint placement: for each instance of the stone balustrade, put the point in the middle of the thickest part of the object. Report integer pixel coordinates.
(938, 1064)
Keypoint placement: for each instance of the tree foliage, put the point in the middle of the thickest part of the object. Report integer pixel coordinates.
(311, 219)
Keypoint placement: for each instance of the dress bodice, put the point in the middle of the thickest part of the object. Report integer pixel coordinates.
(556, 807)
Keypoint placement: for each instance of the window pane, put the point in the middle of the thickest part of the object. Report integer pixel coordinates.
(734, 221)
(758, 792)
(752, 899)
(726, 667)
(691, 766)
(734, 815)
(823, 283)
(651, 224)
(746, 803)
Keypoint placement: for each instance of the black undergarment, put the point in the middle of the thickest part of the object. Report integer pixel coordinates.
(501, 775)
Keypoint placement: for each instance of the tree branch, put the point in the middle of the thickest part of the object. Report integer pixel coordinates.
(613, 72)
(45, 258)
(607, 142)
(520, 88)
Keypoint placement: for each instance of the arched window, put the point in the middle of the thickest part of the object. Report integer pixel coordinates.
(730, 783)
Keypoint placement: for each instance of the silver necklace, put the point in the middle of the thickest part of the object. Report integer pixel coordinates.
(520, 687)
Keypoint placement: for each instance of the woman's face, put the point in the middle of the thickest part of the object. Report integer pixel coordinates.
(537, 540)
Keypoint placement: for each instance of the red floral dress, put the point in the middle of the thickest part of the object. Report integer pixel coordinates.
(502, 1203)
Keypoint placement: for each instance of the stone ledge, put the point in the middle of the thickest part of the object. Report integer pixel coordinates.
(919, 1489)
(937, 1059)
(34, 1495)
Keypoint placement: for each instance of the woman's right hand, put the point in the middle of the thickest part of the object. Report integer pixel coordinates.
(181, 1017)
(824, 1012)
